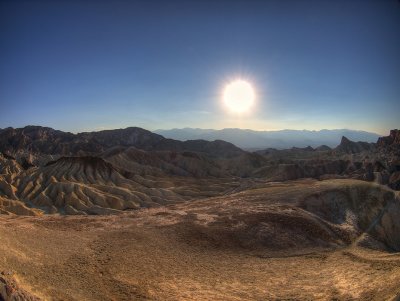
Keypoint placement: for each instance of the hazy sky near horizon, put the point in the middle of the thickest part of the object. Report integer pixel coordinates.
(90, 65)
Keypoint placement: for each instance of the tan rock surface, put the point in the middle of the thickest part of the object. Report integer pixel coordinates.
(272, 241)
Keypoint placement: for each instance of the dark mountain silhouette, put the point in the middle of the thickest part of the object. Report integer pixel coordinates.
(348, 146)
(283, 139)
(392, 140)
(46, 140)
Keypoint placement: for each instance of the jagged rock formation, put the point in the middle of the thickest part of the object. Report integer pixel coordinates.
(357, 160)
(389, 151)
(392, 140)
(36, 139)
(108, 172)
(109, 175)
(351, 147)
(208, 205)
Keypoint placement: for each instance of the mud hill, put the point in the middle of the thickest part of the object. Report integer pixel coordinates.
(90, 185)
(36, 178)
(159, 219)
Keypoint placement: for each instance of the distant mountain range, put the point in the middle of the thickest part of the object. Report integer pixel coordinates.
(45, 140)
(254, 140)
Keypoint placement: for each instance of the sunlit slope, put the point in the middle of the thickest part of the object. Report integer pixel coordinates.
(244, 246)
(91, 185)
(83, 185)
(297, 215)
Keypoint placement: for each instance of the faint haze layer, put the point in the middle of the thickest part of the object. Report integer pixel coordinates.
(90, 65)
(249, 139)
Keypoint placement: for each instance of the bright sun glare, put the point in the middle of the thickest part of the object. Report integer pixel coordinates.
(239, 96)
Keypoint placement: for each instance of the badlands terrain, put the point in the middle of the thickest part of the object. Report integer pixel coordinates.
(130, 215)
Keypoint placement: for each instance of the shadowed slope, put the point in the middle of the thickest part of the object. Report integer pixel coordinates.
(246, 246)
(36, 139)
(297, 215)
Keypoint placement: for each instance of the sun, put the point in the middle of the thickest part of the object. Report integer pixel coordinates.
(239, 96)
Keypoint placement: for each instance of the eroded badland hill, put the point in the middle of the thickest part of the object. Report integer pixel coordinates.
(130, 215)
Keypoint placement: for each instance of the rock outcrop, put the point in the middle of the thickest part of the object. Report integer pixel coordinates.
(323, 148)
(36, 139)
(11, 291)
(351, 147)
(392, 140)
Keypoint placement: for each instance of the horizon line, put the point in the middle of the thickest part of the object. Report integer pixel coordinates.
(99, 129)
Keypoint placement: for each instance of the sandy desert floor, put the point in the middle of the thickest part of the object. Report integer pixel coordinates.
(157, 254)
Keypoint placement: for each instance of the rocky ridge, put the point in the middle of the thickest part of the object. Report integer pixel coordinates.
(47, 171)
(43, 140)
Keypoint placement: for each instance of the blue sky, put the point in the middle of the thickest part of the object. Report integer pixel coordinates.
(89, 65)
